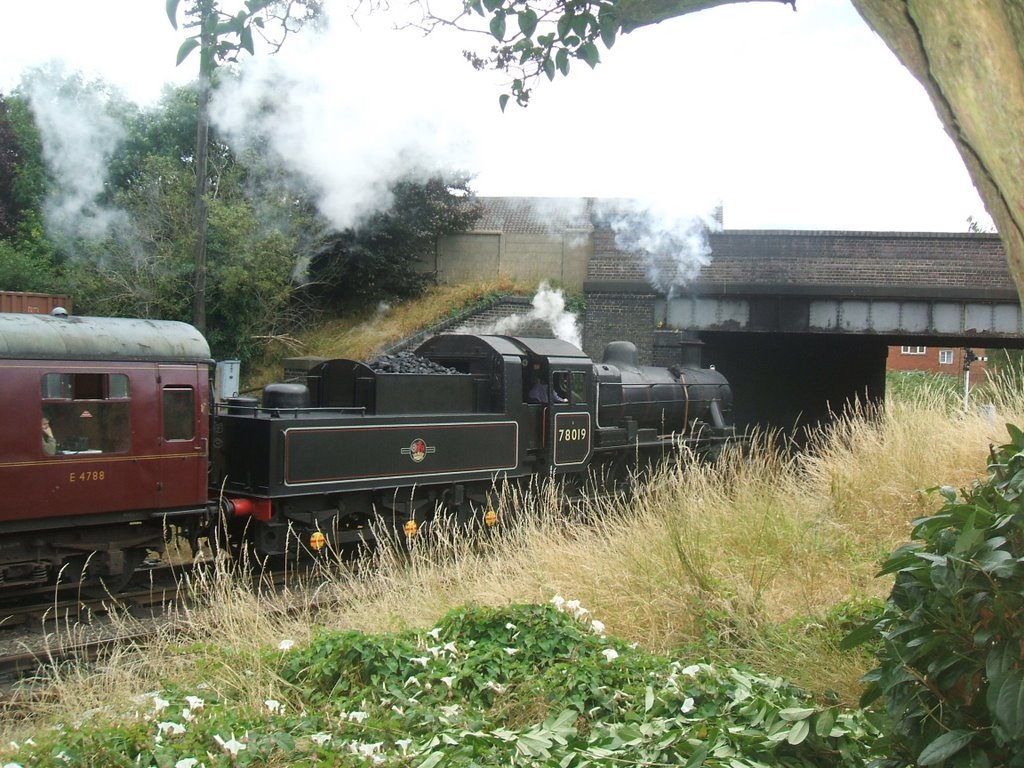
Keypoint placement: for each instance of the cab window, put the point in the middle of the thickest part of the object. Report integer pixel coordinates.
(579, 387)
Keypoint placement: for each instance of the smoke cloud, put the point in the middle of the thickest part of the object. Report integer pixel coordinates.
(673, 245)
(349, 111)
(549, 309)
(79, 136)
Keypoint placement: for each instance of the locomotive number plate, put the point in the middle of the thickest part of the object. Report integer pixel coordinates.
(572, 438)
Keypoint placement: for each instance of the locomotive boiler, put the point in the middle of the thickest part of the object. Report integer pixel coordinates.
(341, 455)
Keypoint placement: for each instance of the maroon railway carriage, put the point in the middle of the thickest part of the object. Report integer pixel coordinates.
(125, 401)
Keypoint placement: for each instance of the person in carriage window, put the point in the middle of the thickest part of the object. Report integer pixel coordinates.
(49, 441)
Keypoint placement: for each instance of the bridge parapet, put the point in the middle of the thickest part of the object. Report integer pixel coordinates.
(948, 286)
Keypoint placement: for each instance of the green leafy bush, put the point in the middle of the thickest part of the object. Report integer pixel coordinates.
(528, 685)
(951, 664)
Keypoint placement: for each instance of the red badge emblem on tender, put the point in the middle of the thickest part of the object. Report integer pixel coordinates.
(418, 450)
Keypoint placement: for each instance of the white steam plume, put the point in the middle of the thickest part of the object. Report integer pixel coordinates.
(79, 136)
(350, 110)
(674, 246)
(548, 308)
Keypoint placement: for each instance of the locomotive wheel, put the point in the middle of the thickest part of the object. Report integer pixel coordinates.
(109, 584)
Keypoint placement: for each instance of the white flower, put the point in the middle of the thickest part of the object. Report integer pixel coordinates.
(357, 716)
(403, 744)
(194, 702)
(435, 633)
(610, 654)
(450, 710)
(573, 605)
(558, 601)
(434, 650)
(231, 747)
(274, 706)
(448, 680)
(450, 647)
(62, 755)
(172, 729)
(687, 705)
(285, 645)
(597, 626)
(186, 762)
(511, 651)
(30, 741)
(411, 681)
(692, 670)
(187, 716)
(320, 738)
(159, 705)
(511, 626)
(421, 660)
(496, 687)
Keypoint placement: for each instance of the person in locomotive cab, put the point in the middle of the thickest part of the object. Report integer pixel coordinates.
(49, 441)
(539, 392)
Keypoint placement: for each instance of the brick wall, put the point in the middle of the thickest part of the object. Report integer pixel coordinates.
(929, 359)
(619, 317)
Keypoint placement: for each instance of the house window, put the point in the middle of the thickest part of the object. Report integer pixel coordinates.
(945, 357)
(913, 350)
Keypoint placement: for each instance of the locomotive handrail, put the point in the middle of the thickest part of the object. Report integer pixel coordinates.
(234, 409)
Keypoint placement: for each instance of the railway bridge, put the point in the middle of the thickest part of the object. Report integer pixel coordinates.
(801, 322)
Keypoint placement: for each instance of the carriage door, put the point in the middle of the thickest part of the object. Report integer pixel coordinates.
(569, 428)
(182, 425)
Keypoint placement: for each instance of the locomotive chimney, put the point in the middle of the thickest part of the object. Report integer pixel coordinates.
(677, 348)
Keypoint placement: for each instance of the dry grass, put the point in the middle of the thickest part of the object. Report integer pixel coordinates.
(739, 563)
(363, 334)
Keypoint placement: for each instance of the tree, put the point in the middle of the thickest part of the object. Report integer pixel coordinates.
(377, 259)
(968, 56)
(221, 37)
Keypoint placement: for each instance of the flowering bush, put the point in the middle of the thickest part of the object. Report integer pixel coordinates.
(526, 685)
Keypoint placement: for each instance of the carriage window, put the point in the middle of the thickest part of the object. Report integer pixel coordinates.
(178, 411)
(85, 413)
(579, 387)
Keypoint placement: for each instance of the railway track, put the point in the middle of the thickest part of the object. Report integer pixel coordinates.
(71, 627)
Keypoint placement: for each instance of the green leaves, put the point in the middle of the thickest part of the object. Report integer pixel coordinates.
(172, 12)
(949, 665)
(527, 22)
(542, 42)
(497, 26)
(945, 746)
(186, 48)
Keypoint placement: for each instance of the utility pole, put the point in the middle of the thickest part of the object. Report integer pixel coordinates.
(207, 29)
(969, 357)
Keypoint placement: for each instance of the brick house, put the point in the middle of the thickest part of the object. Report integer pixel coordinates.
(947, 360)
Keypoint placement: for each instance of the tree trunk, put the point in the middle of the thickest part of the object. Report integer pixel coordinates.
(968, 56)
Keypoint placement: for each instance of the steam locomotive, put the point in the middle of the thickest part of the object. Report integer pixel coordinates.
(111, 439)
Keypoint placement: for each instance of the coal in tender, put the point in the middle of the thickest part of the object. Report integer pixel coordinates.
(407, 362)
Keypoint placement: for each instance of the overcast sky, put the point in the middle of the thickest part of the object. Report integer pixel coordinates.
(798, 120)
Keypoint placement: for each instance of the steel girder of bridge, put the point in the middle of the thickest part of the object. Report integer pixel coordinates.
(946, 317)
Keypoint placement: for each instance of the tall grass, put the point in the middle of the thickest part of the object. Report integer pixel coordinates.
(759, 560)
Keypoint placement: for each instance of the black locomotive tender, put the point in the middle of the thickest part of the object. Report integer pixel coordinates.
(321, 461)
